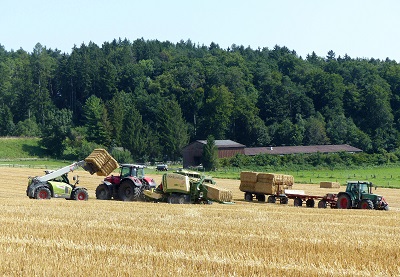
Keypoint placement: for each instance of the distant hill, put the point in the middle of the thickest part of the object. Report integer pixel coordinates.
(19, 148)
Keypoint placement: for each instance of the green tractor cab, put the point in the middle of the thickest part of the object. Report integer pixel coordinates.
(358, 195)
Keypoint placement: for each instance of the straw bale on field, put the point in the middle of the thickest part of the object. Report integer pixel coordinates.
(218, 194)
(329, 185)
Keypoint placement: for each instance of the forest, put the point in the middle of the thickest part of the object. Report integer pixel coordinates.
(151, 98)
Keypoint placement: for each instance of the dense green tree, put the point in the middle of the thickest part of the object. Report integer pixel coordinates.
(210, 154)
(173, 133)
(217, 112)
(96, 121)
(57, 125)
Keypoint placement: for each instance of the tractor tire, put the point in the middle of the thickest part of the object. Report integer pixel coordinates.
(366, 204)
(310, 203)
(102, 192)
(128, 191)
(298, 202)
(322, 204)
(271, 199)
(260, 197)
(248, 197)
(80, 195)
(42, 193)
(344, 202)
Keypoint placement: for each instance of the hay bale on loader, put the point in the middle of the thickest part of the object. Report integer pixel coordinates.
(329, 185)
(101, 162)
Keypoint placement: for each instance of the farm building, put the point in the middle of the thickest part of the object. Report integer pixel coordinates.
(285, 150)
(193, 152)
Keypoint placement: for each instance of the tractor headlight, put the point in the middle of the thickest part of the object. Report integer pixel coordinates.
(379, 198)
(201, 194)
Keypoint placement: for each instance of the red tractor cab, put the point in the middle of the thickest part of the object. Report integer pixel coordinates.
(127, 186)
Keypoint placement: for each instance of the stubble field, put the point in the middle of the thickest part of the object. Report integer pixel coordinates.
(112, 238)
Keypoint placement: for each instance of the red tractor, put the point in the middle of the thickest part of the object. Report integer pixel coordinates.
(127, 186)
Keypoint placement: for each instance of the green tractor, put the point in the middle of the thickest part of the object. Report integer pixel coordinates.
(358, 195)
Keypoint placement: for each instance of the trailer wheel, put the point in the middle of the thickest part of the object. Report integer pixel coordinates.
(271, 199)
(298, 202)
(102, 192)
(248, 197)
(366, 204)
(343, 202)
(42, 193)
(260, 197)
(81, 195)
(322, 204)
(284, 200)
(310, 203)
(128, 191)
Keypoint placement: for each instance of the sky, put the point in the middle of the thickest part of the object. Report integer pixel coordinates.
(358, 28)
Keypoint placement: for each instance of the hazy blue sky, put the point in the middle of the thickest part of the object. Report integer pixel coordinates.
(359, 28)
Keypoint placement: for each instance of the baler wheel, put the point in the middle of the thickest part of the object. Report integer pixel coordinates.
(43, 193)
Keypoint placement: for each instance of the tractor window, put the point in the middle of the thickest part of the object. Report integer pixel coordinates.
(125, 172)
(364, 188)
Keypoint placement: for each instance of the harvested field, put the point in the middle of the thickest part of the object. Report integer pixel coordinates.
(111, 238)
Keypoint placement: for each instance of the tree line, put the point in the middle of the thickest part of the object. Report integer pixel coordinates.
(151, 98)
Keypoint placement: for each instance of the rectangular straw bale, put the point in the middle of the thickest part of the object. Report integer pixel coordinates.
(218, 194)
(247, 186)
(102, 161)
(248, 176)
(329, 185)
(266, 177)
(265, 188)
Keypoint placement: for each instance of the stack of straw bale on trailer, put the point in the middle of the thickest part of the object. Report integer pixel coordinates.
(104, 162)
(265, 183)
(329, 185)
(218, 194)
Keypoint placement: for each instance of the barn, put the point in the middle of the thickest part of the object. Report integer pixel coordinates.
(193, 152)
